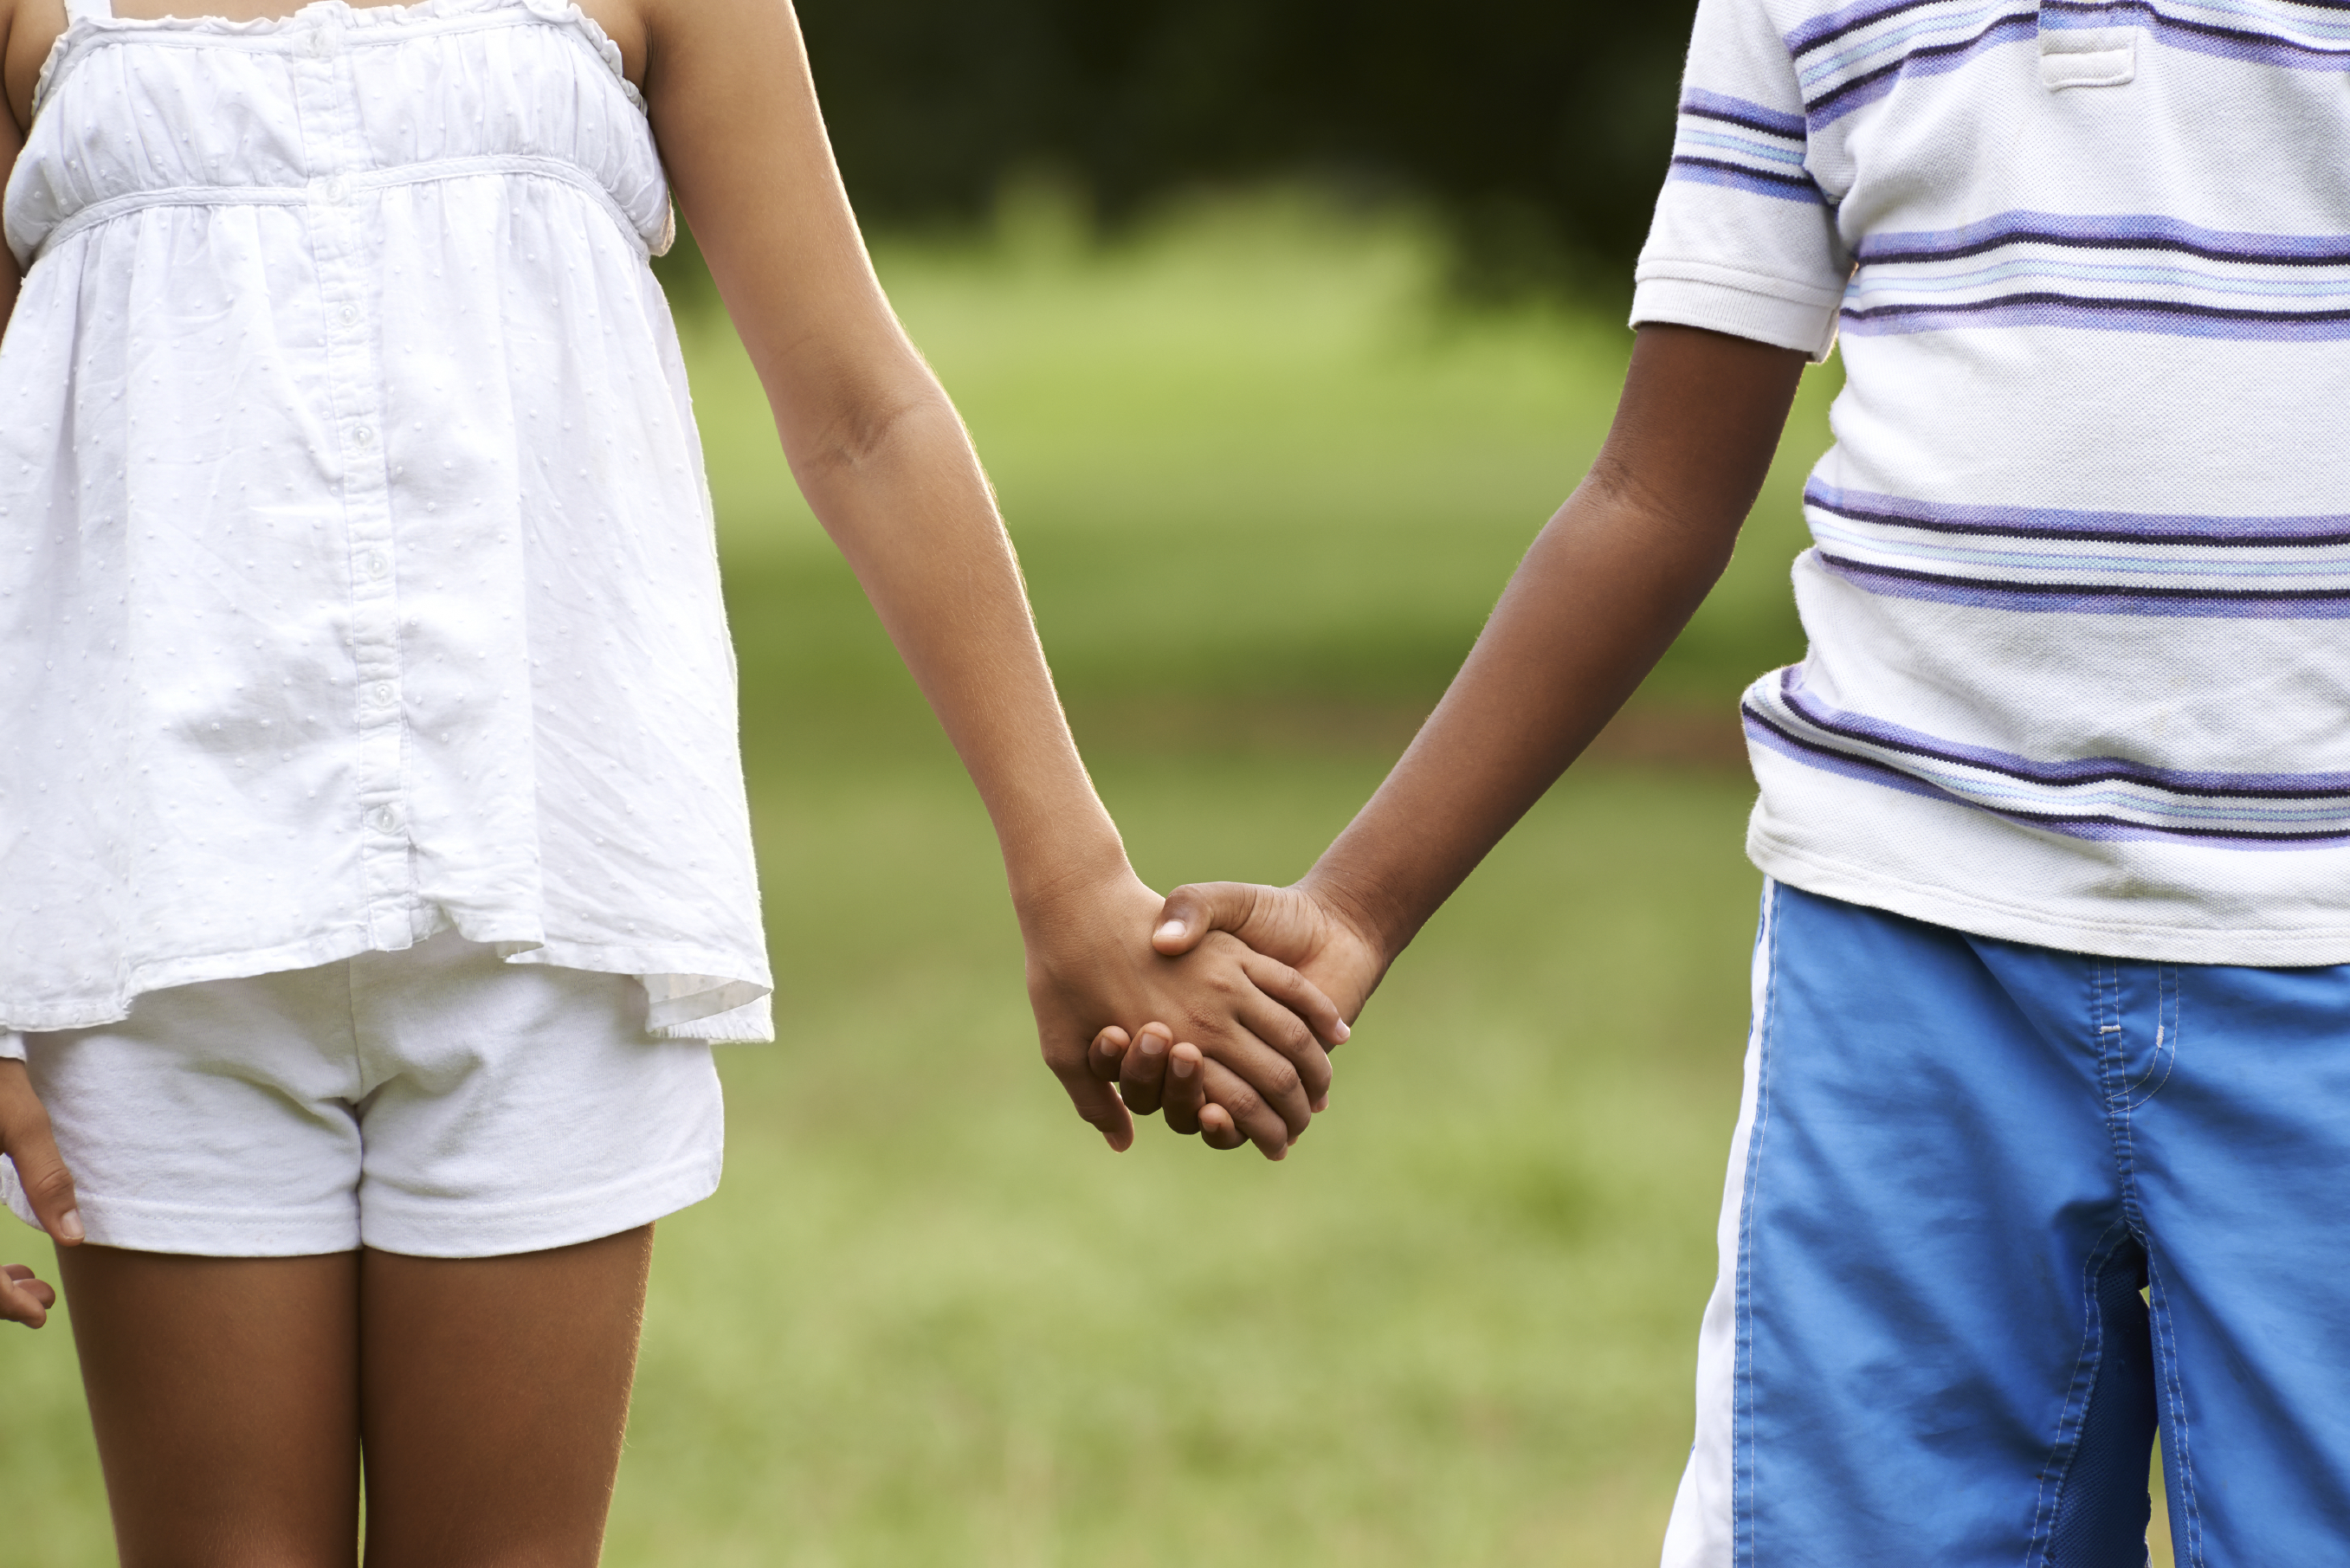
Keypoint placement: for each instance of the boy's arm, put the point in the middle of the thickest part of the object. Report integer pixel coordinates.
(887, 469)
(1602, 594)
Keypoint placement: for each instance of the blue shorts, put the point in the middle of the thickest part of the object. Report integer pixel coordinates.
(1958, 1165)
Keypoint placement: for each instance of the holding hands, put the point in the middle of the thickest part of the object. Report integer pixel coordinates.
(1238, 1046)
(1298, 951)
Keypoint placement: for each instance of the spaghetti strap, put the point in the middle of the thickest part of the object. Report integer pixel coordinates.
(89, 10)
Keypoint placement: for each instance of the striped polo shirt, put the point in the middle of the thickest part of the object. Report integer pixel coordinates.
(2079, 594)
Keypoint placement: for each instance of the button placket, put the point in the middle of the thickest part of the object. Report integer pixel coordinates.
(339, 217)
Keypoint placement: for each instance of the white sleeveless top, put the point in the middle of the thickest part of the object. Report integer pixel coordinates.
(356, 576)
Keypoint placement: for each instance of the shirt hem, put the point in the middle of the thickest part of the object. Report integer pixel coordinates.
(734, 1013)
(2253, 948)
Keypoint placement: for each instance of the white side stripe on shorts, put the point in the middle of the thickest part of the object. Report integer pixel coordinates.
(1699, 1534)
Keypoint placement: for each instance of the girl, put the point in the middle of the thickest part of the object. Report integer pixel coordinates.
(375, 872)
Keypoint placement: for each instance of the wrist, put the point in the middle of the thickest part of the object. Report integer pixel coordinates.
(1066, 867)
(1373, 918)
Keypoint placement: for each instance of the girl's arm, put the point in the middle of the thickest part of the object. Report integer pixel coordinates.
(11, 137)
(885, 462)
(23, 1125)
(1605, 588)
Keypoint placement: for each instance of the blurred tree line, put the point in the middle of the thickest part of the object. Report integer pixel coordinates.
(1536, 130)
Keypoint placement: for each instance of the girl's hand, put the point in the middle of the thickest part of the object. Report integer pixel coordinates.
(24, 1139)
(1255, 1028)
(1154, 1071)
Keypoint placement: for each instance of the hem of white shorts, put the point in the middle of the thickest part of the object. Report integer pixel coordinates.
(1977, 915)
(736, 1012)
(202, 1230)
(441, 1230)
(1764, 309)
(436, 1229)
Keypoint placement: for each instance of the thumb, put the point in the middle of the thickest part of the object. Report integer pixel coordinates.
(1098, 1103)
(26, 1138)
(1194, 910)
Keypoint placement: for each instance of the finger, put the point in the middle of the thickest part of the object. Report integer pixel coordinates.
(1256, 1121)
(1142, 1076)
(1299, 994)
(23, 1298)
(25, 1139)
(23, 1277)
(1272, 1079)
(1287, 1033)
(1186, 1092)
(1216, 1128)
(1193, 912)
(1097, 1103)
(1109, 1049)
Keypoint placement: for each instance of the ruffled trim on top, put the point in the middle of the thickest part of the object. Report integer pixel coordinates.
(559, 13)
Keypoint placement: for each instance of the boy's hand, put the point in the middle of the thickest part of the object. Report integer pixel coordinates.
(24, 1139)
(1259, 1029)
(1291, 925)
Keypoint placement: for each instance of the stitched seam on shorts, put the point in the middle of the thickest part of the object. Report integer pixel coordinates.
(2117, 1116)
(1741, 1399)
(2113, 1073)
(2166, 1037)
(359, 1086)
(2176, 1447)
(2074, 1421)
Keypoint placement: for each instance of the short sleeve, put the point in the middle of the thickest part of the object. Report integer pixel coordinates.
(12, 1046)
(1744, 240)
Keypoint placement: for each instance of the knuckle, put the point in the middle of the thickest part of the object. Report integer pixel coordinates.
(52, 1180)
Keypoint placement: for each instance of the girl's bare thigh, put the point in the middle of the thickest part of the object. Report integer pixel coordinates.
(233, 1397)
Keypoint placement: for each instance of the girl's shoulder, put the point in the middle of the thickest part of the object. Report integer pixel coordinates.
(29, 31)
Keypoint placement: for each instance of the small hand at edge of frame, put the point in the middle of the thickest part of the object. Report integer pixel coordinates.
(25, 1139)
(1259, 1029)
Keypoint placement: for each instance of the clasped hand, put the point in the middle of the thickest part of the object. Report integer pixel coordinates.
(1224, 1002)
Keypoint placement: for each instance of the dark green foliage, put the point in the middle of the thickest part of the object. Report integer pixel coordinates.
(1538, 132)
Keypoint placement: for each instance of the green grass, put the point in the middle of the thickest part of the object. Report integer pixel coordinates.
(930, 1321)
(1251, 455)
(1249, 460)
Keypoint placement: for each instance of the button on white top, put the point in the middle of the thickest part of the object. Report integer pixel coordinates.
(383, 692)
(348, 315)
(338, 188)
(363, 435)
(377, 565)
(384, 819)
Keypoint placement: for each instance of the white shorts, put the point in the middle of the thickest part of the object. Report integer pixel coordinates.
(436, 1101)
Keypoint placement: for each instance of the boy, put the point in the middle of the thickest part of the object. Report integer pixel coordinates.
(2053, 986)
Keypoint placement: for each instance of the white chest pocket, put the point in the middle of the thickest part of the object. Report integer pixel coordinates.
(2086, 56)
